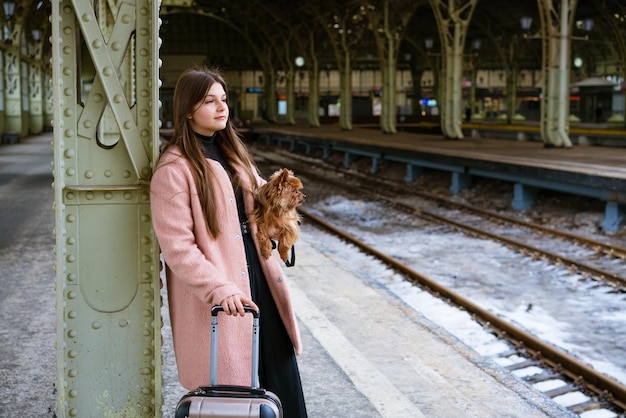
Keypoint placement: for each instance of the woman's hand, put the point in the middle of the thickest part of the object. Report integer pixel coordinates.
(234, 304)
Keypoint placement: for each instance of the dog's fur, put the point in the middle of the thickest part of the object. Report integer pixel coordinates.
(275, 212)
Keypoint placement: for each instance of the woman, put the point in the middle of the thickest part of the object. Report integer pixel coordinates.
(200, 192)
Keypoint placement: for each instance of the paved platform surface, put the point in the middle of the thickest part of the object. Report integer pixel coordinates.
(605, 162)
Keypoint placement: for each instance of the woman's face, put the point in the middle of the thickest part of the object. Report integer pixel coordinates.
(211, 114)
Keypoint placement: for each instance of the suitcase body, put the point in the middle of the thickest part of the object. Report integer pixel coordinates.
(224, 401)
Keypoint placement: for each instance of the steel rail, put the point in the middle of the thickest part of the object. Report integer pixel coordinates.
(582, 267)
(557, 359)
(598, 246)
(608, 249)
(593, 272)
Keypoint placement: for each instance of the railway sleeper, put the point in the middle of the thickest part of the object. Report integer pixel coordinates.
(561, 390)
(524, 364)
(544, 376)
(589, 405)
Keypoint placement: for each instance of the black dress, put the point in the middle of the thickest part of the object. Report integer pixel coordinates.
(278, 369)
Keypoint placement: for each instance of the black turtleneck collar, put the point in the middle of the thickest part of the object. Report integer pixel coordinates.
(205, 138)
(209, 147)
(211, 150)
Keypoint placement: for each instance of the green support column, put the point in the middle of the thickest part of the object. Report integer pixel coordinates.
(35, 89)
(35, 99)
(452, 21)
(12, 83)
(2, 106)
(48, 109)
(107, 259)
(557, 19)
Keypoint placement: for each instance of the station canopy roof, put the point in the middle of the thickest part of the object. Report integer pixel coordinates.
(241, 34)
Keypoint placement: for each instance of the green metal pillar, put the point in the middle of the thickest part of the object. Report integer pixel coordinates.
(107, 268)
(12, 81)
(48, 108)
(557, 20)
(35, 90)
(453, 18)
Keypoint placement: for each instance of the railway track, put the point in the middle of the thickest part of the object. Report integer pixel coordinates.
(605, 392)
(526, 349)
(592, 258)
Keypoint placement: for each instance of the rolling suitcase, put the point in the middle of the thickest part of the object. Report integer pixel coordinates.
(226, 401)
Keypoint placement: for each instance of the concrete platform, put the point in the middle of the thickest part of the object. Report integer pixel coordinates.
(594, 172)
(367, 354)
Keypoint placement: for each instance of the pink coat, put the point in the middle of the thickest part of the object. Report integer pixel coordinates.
(202, 271)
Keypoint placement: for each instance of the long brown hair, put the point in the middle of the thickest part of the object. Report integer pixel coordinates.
(191, 89)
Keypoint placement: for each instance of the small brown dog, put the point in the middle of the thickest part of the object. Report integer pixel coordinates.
(275, 212)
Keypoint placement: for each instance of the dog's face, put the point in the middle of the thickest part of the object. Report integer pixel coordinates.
(286, 189)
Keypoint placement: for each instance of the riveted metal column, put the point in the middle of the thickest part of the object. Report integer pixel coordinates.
(452, 20)
(48, 108)
(35, 90)
(556, 30)
(107, 274)
(12, 84)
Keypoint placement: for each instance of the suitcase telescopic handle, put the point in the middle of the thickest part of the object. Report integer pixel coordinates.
(248, 309)
(254, 381)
